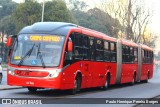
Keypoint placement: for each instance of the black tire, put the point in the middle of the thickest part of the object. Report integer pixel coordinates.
(133, 80)
(146, 81)
(107, 83)
(77, 85)
(0, 78)
(32, 90)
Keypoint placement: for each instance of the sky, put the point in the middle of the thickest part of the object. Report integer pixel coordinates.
(156, 15)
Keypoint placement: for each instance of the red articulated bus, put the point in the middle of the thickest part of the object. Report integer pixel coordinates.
(64, 56)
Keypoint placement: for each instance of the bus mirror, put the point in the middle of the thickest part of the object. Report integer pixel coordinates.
(70, 46)
(9, 41)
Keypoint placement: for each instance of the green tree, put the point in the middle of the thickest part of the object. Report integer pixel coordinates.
(6, 22)
(86, 20)
(6, 8)
(111, 24)
(30, 11)
(27, 13)
(77, 5)
(94, 18)
(56, 10)
(7, 25)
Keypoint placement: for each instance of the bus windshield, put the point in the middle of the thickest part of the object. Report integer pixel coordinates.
(37, 50)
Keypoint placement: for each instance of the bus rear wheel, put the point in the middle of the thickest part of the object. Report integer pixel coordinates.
(32, 89)
(133, 80)
(77, 85)
(0, 78)
(146, 81)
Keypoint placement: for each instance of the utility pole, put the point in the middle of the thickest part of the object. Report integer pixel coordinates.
(42, 11)
(129, 15)
(1, 37)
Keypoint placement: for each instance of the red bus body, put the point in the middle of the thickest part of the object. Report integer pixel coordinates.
(93, 73)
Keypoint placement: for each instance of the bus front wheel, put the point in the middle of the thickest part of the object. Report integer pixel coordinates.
(32, 90)
(77, 85)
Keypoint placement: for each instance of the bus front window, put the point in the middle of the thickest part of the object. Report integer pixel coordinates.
(37, 50)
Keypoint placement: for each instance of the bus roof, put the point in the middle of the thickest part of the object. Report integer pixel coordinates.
(146, 47)
(129, 43)
(59, 28)
(96, 34)
(62, 28)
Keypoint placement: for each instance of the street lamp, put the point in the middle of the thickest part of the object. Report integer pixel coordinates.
(42, 11)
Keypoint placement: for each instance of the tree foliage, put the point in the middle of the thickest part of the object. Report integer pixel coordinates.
(14, 17)
(106, 20)
(7, 7)
(77, 5)
(26, 14)
(88, 21)
(7, 25)
(6, 22)
(133, 15)
(30, 12)
(57, 10)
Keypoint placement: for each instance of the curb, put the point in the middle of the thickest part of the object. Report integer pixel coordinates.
(11, 88)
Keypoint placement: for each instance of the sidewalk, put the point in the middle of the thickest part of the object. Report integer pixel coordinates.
(4, 85)
(7, 87)
(4, 69)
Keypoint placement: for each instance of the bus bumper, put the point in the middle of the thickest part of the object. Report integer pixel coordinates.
(53, 83)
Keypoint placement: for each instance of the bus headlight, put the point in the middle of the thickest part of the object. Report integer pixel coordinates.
(54, 73)
(11, 71)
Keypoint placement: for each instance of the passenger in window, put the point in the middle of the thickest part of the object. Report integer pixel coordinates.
(76, 53)
(91, 42)
(91, 50)
(135, 60)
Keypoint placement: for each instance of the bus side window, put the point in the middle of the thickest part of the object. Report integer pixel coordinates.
(85, 47)
(78, 47)
(136, 55)
(113, 52)
(99, 50)
(91, 48)
(106, 51)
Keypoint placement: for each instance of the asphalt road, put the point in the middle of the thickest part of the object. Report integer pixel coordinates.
(139, 90)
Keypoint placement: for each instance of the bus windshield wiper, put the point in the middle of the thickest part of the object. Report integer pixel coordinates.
(40, 55)
(27, 54)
